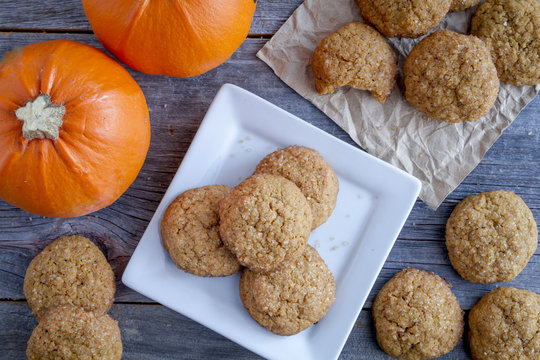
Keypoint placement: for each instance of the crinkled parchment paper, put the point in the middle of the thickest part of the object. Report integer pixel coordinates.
(439, 154)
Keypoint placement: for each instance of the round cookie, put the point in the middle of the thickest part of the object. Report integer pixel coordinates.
(292, 299)
(458, 5)
(69, 271)
(72, 333)
(190, 233)
(450, 77)
(491, 236)
(404, 18)
(310, 172)
(417, 316)
(511, 31)
(505, 324)
(265, 221)
(358, 56)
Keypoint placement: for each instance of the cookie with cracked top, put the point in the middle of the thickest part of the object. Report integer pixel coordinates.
(417, 316)
(190, 233)
(291, 299)
(511, 31)
(458, 5)
(491, 236)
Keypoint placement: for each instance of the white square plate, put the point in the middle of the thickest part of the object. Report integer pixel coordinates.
(373, 203)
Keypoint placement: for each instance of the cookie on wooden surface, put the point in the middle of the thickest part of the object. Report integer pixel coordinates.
(292, 299)
(458, 5)
(69, 271)
(491, 236)
(505, 324)
(265, 221)
(310, 172)
(404, 18)
(450, 77)
(511, 31)
(190, 233)
(358, 56)
(417, 316)
(72, 333)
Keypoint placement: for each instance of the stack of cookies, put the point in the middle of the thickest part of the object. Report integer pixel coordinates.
(263, 224)
(448, 76)
(70, 287)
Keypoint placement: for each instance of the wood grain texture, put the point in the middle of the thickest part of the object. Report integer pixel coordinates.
(69, 16)
(177, 108)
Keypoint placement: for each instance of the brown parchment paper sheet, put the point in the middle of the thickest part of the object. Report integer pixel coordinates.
(439, 154)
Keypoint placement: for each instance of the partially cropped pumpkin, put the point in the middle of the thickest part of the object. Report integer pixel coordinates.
(74, 129)
(171, 37)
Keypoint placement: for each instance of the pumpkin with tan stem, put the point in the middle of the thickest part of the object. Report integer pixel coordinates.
(171, 37)
(74, 129)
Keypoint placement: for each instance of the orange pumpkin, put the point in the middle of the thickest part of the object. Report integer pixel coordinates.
(171, 37)
(74, 129)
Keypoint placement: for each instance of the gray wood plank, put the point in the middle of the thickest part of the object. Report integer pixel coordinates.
(155, 332)
(69, 16)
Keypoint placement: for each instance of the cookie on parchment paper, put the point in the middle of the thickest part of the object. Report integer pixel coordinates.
(190, 233)
(292, 299)
(511, 31)
(451, 77)
(69, 271)
(417, 316)
(358, 56)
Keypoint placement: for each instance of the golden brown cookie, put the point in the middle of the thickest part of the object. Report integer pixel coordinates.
(310, 172)
(72, 333)
(69, 271)
(450, 77)
(511, 31)
(292, 299)
(491, 236)
(265, 221)
(458, 5)
(404, 18)
(358, 56)
(505, 324)
(417, 316)
(190, 233)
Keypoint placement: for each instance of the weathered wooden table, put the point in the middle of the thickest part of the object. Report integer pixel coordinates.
(151, 331)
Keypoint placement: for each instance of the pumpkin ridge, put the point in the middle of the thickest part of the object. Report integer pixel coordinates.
(126, 37)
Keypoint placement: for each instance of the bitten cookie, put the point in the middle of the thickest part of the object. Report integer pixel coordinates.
(491, 236)
(310, 172)
(69, 271)
(72, 333)
(265, 221)
(450, 77)
(190, 233)
(505, 324)
(511, 31)
(292, 299)
(417, 316)
(404, 18)
(458, 5)
(358, 56)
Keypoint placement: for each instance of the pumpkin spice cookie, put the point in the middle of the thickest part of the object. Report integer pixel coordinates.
(458, 5)
(69, 271)
(358, 56)
(292, 299)
(404, 18)
(450, 77)
(417, 316)
(310, 172)
(505, 324)
(190, 233)
(72, 333)
(511, 31)
(265, 221)
(491, 236)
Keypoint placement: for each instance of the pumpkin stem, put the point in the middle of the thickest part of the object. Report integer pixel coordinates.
(40, 118)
